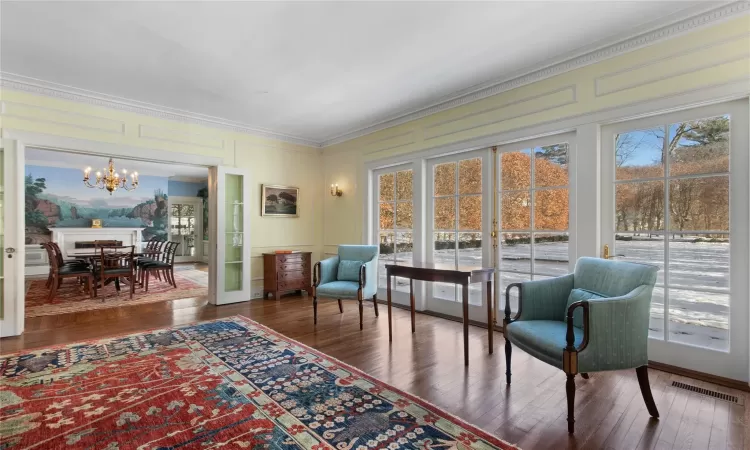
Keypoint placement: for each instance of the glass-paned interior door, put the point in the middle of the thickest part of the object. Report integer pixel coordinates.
(394, 225)
(229, 234)
(185, 227)
(674, 195)
(11, 238)
(534, 226)
(458, 208)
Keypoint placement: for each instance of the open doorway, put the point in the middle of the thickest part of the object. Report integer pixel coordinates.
(158, 220)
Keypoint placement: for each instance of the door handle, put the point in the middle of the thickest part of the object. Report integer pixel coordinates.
(10, 250)
(605, 252)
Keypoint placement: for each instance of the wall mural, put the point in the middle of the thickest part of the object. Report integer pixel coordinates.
(57, 197)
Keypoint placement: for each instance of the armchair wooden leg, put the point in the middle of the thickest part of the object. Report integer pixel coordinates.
(375, 304)
(360, 311)
(341, 307)
(315, 310)
(585, 376)
(570, 390)
(508, 351)
(642, 373)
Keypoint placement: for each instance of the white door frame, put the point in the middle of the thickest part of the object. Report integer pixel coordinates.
(197, 203)
(12, 321)
(94, 148)
(735, 363)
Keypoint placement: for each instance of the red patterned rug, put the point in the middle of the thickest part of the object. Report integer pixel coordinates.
(73, 298)
(229, 383)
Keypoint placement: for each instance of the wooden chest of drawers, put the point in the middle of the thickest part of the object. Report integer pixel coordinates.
(286, 272)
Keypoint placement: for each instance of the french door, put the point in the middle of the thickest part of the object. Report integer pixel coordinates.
(229, 235)
(394, 225)
(186, 227)
(11, 238)
(675, 194)
(459, 225)
(536, 230)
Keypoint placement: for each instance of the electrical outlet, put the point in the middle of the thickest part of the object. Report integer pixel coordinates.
(257, 294)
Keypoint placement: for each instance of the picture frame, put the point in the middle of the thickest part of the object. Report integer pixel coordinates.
(279, 201)
(96, 223)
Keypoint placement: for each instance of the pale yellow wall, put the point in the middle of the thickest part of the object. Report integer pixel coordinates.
(707, 57)
(269, 161)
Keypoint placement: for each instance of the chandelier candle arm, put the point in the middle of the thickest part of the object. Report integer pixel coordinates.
(111, 180)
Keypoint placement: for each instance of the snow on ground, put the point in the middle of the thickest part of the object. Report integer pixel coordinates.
(697, 318)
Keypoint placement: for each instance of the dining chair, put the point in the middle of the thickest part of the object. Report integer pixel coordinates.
(117, 262)
(61, 262)
(152, 252)
(165, 266)
(59, 272)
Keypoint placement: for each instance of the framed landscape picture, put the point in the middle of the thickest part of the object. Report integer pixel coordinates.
(279, 201)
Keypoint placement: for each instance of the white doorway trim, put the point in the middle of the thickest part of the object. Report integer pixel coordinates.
(89, 147)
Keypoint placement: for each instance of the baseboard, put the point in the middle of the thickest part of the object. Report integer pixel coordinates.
(36, 270)
(715, 379)
(721, 381)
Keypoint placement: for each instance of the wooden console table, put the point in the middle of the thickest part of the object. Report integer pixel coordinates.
(462, 276)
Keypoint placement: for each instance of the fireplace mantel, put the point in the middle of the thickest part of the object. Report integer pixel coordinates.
(67, 237)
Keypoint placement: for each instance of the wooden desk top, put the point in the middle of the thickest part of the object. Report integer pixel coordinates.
(439, 272)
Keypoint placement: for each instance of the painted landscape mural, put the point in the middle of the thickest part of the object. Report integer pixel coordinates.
(56, 197)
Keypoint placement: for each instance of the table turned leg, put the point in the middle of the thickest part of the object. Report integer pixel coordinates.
(412, 305)
(388, 289)
(490, 325)
(465, 292)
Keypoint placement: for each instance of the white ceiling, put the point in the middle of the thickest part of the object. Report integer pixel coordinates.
(53, 158)
(313, 70)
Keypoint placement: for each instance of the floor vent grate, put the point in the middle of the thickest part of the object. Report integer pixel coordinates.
(710, 393)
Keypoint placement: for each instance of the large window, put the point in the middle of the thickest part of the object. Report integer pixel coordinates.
(457, 222)
(672, 210)
(395, 222)
(534, 212)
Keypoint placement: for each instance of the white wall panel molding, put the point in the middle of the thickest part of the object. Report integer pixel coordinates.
(150, 132)
(60, 117)
(669, 66)
(713, 16)
(512, 110)
(41, 87)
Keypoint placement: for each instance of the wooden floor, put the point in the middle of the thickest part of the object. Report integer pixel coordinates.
(610, 412)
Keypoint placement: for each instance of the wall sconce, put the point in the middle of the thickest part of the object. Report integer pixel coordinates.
(335, 191)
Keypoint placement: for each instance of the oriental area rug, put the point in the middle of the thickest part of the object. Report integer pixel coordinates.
(72, 297)
(229, 383)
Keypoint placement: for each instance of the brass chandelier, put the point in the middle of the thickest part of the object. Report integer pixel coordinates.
(111, 180)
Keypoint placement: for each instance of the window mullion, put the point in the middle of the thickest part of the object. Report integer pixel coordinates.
(667, 226)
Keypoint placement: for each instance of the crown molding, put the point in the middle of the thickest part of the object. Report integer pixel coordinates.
(47, 88)
(680, 23)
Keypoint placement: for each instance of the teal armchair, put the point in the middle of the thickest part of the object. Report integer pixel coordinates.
(594, 319)
(353, 274)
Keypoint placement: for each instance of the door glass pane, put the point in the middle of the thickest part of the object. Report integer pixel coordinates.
(470, 213)
(404, 185)
(445, 213)
(551, 210)
(551, 166)
(700, 146)
(639, 154)
(444, 253)
(516, 210)
(234, 264)
(470, 176)
(404, 255)
(387, 250)
(515, 170)
(470, 255)
(445, 179)
(551, 254)
(699, 203)
(515, 252)
(386, 216)
(506, 279)
(386, 187)
(699, 318)
(644, 248)
(699, 261)
(639, 206)
(656, 320)
(404, 211)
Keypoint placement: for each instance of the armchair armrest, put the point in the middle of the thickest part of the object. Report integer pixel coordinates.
(541, 299)
(368, 278)
(608, 322)
(325, 271)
